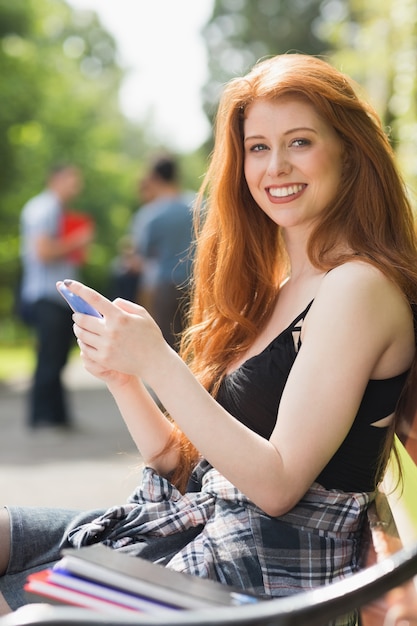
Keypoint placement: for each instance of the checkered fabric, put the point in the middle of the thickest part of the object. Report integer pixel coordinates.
(218, 533)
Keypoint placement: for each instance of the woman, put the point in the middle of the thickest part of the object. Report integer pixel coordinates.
(300, 342)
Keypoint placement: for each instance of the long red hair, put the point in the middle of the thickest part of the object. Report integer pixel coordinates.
(240, 255)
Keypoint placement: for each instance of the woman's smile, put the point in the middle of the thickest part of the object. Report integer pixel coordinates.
(286, 193)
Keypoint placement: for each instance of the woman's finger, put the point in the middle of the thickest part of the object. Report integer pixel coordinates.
(92, 297)
(85, 338)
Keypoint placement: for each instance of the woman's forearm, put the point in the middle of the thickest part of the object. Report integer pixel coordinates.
(149, 427)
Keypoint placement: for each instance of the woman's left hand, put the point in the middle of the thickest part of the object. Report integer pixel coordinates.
(125, 339)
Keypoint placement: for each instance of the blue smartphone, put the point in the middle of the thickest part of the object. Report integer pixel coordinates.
(77, 304)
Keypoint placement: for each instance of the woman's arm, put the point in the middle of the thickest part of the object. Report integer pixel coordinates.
(358, 327)
(149, 427)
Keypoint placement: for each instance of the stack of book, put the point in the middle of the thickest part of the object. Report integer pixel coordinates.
(97, 577)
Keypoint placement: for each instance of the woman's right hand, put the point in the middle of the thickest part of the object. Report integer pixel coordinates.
(112, 378)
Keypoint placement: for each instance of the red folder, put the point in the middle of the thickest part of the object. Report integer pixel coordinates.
(72, 221)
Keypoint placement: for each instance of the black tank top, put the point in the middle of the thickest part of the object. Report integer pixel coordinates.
(252, 394)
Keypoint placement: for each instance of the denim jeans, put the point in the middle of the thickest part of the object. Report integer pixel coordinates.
(38, 534)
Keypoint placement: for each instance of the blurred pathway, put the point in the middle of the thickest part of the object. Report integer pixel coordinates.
(95, 465)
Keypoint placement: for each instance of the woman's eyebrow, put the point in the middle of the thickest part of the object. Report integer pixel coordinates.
(251, 137)
(297, 129)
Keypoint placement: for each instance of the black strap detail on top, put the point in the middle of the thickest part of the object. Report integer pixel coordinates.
(253, 391)
(299, 328)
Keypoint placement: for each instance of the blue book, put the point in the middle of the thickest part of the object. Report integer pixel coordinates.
(63, 579)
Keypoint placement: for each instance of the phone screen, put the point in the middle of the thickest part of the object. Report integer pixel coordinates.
(77, 304)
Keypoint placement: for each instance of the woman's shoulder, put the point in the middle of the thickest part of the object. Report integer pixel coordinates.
(357, 266)
(358, 291)
(362, 297)
(361, 306)
(360, 278)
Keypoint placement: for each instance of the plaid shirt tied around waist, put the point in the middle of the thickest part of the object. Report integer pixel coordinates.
(218, 533)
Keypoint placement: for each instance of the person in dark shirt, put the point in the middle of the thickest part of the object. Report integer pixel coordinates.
(283, 398)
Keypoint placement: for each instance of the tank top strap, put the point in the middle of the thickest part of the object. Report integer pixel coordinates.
(297, 325)
(302, 315)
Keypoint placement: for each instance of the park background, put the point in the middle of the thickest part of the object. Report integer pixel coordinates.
(64, 98)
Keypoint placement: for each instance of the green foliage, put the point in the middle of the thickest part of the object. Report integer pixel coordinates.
(240, 32)
(59, 90)
(59, 85)
(16, 362)
(376, 44)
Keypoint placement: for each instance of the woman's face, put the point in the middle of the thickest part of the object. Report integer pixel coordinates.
(292, 160)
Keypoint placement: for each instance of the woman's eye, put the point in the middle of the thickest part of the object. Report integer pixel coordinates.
(300, 143)
(258, 147)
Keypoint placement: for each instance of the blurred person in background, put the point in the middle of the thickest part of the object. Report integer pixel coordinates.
(54, 242)
(125, 271)
(162, 235)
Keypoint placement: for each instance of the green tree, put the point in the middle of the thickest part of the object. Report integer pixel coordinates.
(60, 84)
(375, 42)
(240, 32)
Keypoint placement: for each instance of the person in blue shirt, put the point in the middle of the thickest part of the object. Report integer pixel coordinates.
(162, 234)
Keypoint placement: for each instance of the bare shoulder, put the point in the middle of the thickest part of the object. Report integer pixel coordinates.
(361, 281)
(366, 310)
(357, 270)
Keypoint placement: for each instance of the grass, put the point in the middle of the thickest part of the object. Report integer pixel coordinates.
(16, 361)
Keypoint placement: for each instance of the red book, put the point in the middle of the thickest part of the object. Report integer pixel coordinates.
(73, 221)
(39, 585)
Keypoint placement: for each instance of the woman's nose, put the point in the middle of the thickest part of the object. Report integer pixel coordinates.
(278, 163)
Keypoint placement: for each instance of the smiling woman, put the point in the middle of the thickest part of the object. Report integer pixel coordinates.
(289, 384)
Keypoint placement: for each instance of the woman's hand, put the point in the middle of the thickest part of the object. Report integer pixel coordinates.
(121, 348)
(121, 344)
(111, 377)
